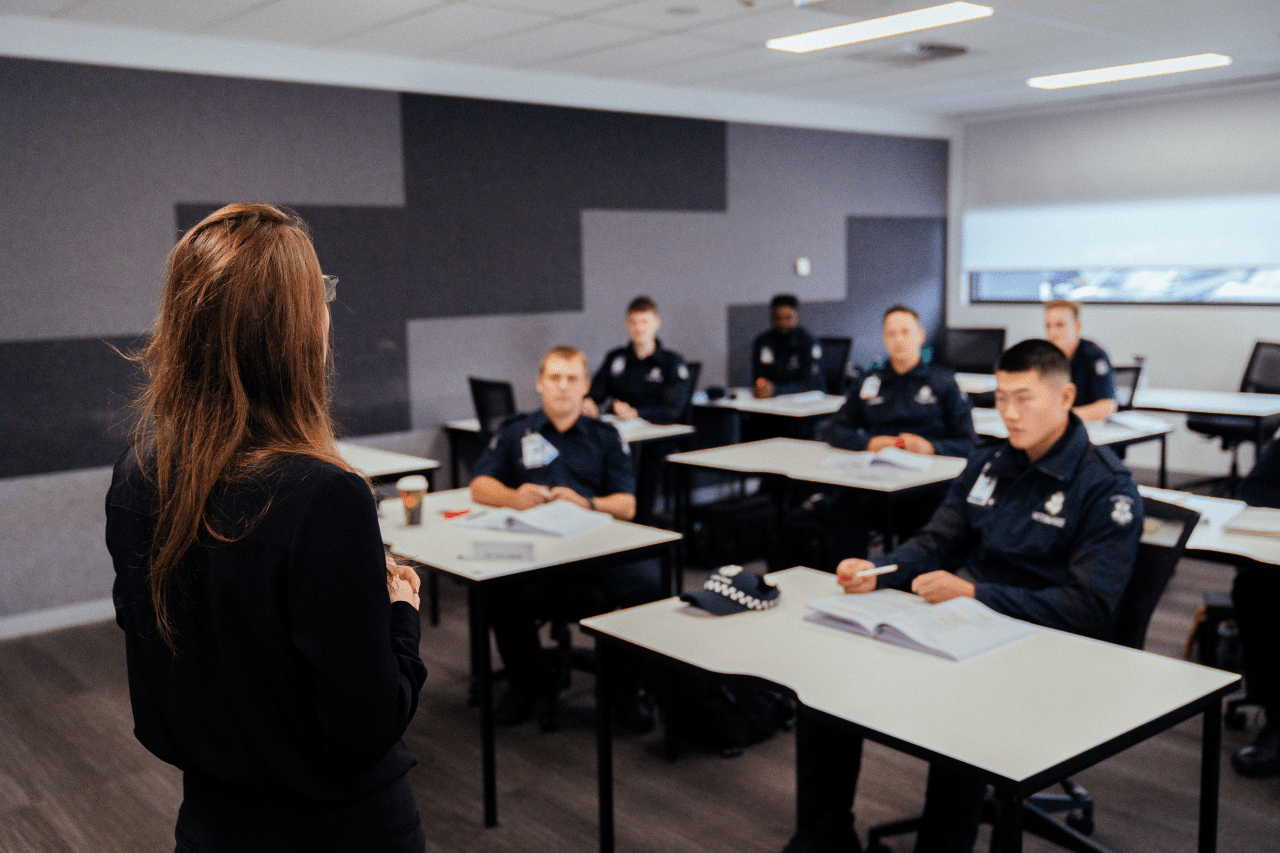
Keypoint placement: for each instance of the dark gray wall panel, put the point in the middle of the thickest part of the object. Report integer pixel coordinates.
(891, 260)
(65, 404)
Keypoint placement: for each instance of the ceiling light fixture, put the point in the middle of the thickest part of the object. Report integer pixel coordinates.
(1130, 72)
(890, 25)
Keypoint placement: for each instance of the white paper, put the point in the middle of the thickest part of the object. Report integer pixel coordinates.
(557, 518)
(895, 457)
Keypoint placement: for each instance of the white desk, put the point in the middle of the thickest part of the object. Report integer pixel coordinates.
(798, 459)
(1238, 403)
(1112, 432)
(976, 383)
(1016, 732)
(380, 465)
(1213, 538)
(805, 404)
(439, 545)
(803, 461)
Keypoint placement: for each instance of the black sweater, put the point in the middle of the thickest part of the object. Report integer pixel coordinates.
(296, 676)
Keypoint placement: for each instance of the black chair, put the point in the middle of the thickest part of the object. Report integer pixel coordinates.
(1127, 379)
(495, 401)
(695, 373)
(1158, 554)
(969, 350)
(1261, 376)
(835, 358)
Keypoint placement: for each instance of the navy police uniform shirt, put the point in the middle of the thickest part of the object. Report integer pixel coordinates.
(658, 386)
(791, 361)
(590, 457)
(924, 401)
(1092, 374)
(1052, 543)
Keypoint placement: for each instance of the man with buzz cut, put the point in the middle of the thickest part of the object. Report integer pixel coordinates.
(643, 379)
(557, 454)
(1091, 370)
(1042, 526)
(786, 359)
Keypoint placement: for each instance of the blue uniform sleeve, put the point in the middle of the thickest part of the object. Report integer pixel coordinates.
(1102, 379)
(619, 473)
(600, 390)
(1099, 569)
(846, 429)
(958, 414)
(1262, 486)
(499, 458)
(943, 543)
(676, 390)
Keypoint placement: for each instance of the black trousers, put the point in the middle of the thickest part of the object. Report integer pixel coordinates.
(828, 759)
(514, 611)
(1256, 591)
(215, 818)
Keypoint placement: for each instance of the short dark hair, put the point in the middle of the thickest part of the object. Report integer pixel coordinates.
(642, 303)
(1038, 355)
(783, 300)
(900, 309)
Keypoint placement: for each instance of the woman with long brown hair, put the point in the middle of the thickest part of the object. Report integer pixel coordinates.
(272, 648)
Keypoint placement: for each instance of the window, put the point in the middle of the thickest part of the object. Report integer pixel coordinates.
(1149, 285)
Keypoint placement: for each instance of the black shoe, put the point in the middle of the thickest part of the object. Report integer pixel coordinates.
(1262, 757)
(516, 706)
(829, 834)
(635, 714)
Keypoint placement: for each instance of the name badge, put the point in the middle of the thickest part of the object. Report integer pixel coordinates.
(983, 487)
(870, 387)
(536, 451)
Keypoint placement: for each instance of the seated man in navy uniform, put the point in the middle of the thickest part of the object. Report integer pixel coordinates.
(1091, 370)
(1256, 590)
(786, 359)
(1042, 526)
(642, 379)
(556, 454)
(907, 403)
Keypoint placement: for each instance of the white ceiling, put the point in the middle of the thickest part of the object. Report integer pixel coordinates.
(718, 45)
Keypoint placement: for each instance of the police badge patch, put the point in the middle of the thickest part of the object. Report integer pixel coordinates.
(1122, 510)
(925, 396)
(1101, 367)
(655, 375)
(619, 365)
(1053, 506)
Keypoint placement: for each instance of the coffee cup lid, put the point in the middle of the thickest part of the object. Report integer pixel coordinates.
(412, 483)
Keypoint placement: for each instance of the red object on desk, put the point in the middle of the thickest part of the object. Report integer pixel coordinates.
(449, 515)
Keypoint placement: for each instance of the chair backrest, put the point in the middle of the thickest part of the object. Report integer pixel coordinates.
(494, 400)
(970, 350)
(1127, 379)
(695, 371)
(1262, 376)
(1158, 554)
(835, 358)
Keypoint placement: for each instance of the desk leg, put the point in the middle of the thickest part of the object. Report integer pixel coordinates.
(683, 499)
(482, 677)
(1009, 830)
(1164, 462)
(1211, 743)
(604, 747)
(433, 589)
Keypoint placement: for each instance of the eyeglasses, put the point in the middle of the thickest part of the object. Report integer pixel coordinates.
(330, 287)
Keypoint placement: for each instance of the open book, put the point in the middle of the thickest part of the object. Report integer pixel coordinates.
(957, 629)
(557, 518)
(894, 457)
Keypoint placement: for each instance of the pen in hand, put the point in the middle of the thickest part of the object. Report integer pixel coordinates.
(878, 570)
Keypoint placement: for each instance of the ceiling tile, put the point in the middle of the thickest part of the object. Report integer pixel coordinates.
(661, 51)
(558, 8)
(655, 15)
(35, 7)
(541, 46)
(309, 22)
(179, 16)
(442, 29)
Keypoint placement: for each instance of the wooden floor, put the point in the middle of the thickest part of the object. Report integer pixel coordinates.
(72, 778)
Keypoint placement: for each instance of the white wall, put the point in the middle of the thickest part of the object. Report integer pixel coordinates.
(1167, 154)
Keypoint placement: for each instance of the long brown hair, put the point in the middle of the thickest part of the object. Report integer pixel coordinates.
(236, 374)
